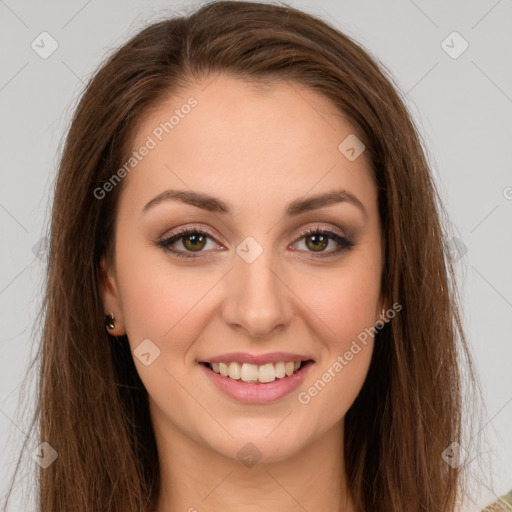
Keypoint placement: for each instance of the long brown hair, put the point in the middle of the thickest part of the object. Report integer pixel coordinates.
(92, 407)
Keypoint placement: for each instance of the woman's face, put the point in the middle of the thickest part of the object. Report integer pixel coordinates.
(252, 167)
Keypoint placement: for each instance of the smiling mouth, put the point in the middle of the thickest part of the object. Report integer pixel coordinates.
(258, 374)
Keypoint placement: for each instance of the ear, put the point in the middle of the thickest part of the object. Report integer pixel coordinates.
(110, 296)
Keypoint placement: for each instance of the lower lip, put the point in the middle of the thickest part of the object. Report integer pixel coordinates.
(257, 393)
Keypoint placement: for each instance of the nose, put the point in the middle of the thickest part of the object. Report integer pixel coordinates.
(258, 300)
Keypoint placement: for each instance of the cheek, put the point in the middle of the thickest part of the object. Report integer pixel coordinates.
(344, 315)
(341, 301)
(333, 388)
(341, 307)
(161, 300)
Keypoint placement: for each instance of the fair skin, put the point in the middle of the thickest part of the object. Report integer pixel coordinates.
(257, 151)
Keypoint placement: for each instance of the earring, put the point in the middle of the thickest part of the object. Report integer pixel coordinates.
(110, 322)
(382, 320)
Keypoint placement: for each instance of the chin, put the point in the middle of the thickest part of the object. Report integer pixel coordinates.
(260, 445)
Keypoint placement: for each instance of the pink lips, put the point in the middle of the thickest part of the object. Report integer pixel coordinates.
(255, 392)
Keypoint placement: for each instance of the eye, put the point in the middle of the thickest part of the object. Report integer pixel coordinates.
(192, 239)
(316, 240)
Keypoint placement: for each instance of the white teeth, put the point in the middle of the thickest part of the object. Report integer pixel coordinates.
(280, 370)
(223, 369)
(234, 371)
(249, 372)
(256, 373)
(267, 373)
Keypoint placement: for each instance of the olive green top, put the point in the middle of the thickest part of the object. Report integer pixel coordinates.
(503, 504)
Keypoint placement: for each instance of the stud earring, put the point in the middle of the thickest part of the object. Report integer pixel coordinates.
(382, 321)
(110, 322)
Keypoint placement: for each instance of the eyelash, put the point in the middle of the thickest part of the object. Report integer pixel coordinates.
(344, 243)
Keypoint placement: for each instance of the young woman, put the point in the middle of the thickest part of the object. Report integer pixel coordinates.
(250, 304)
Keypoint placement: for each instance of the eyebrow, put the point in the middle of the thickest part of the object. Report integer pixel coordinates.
(216, 205)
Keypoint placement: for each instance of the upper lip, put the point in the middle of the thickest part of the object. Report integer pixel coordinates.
(260, 359)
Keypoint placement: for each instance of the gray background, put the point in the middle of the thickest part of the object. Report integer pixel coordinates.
(462, 106)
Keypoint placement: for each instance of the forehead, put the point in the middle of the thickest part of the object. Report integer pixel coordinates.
(226, 136)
